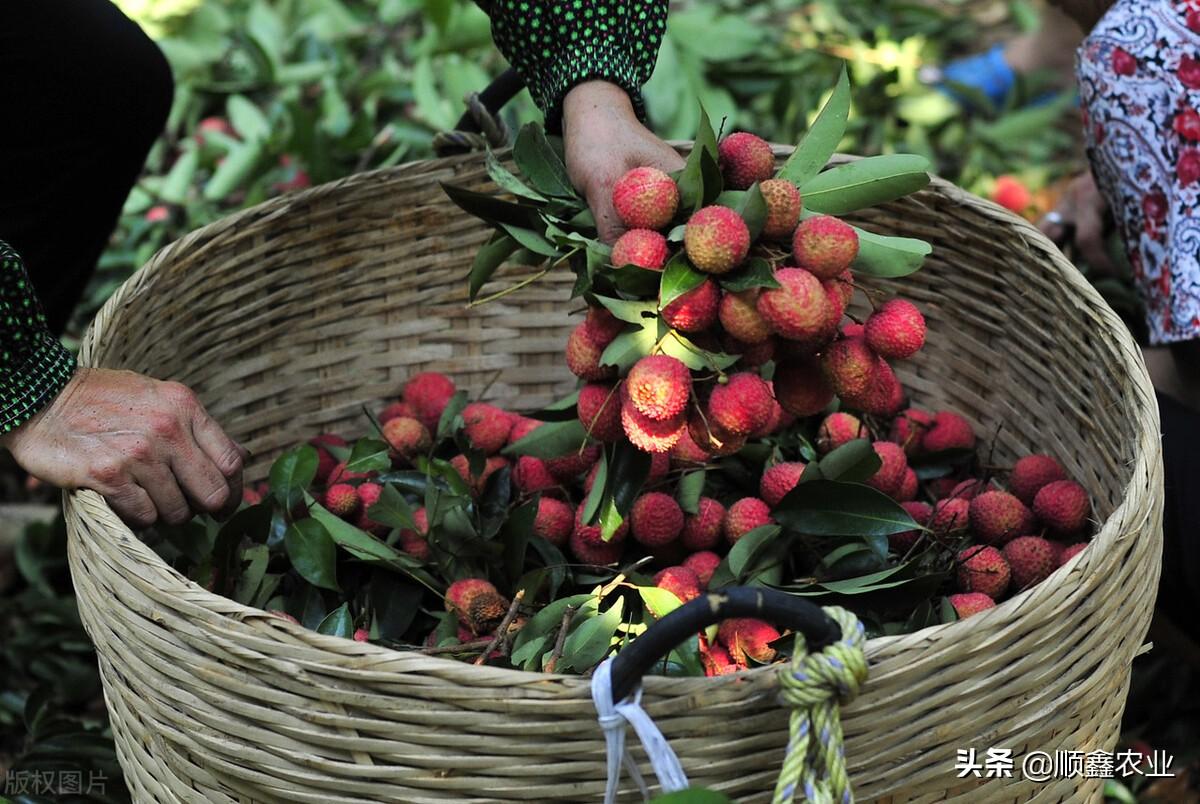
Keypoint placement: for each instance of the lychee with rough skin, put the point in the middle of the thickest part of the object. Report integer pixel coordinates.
(462, 465)
(368, 495)
(416, 542)
(396, 410)
(644, 248)
(783, 208)
(1067, 553)
(921, 513)
(744, 516)
(696, 310)
(1012, 194)
(531, 475)
(908, 430)
(645, 198)
(742, 405)
(486, 426)
(682, 582)
(969, 489)
(325, 460)
(747, 638)
(599, 409)
(660, 465)
(844, 282)
(835, 311)
(659, 387)
(967, 603)
(362, 635)
(997, 517)
(429, 393)
(801, 387)
(340, 474)
(603, 326)
(485, 612)
(711, 437)
(650, 435)
(251, 496)
(799, 308)
(704, 564)
(740, 317)
(779, 419)
(745, 158)
(687, 453)
(825, 245)
(1031, 473)
(850, 366)
(716, 239)
(948, 431)
(407, 437)
(655, 519)
(1063, 507)
(853, 329)
(777, 481)
(884, 396)
(460, 594)
(909, 486)
(522, 426)
(585, 346)
(573, 464)
(893, 465)
(341, 500)
(716, 660)
(588, 548)
(896, 330)
(702, 530)
(1031, 559)
(554, 521)
(950, 516)
(983, 569)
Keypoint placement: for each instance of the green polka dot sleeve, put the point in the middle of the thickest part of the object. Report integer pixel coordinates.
(34, 365)
(556, 45)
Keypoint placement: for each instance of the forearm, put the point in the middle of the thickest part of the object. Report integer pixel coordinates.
(34, 365)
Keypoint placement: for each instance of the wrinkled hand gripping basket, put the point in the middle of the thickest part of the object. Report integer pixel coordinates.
(287, 317)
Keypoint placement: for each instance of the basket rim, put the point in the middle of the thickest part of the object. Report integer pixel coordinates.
(1146, 463)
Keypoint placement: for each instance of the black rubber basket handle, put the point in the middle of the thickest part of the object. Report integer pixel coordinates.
(660, 639)
(494, 97)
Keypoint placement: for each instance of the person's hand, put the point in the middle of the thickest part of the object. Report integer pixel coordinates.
(148, 446)
(1080, 218)
(603, 139)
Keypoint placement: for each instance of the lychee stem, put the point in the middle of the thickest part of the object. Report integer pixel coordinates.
(500, 294)
(462, 647)
(690, 347)
(561, 639)
(502, 629)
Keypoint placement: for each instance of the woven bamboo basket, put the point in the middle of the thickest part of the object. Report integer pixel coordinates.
(288, 317)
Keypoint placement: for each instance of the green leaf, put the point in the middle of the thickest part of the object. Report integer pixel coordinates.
(516, 532)
(745, 552)
(627, 474)
(393, 605)
(630, 347)
(177, 182)
(822, 138)
(292, 473)
(369, 455)
(889, 257)
(492, 209)
(753, 209)
(526, 648)
(505, 179)
(706, 138)
(634, 312)
(755, 273)
(251, 578)
(590, 642)
(366, 547)
(659, 602)
(700, 179)
(489, 257)
(392, 509)
(853, 462)
(678, 278)
(865, 183)
(829, 508)
(247, 119)
(312, 552)
(531, 240)
(693, 795)
(691, 355)
(551, 440)
(338, 622)
(691, 486)
(237, 166)
(540, 163)
(591, 506)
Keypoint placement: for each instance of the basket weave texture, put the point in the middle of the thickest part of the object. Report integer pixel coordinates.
(288, 317)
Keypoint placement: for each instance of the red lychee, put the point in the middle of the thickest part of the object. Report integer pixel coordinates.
(416, 542)
(778, 419)
(603, 326)
(531, 475)
(908, 430)
(396, 410)
(251, 496)
(687, 453)
(740, 317)
(340, 474)
(716, 660)
(744, 159)
(659, 387)
(983, 569)
(660, 465)
(742, 405)
(1031, 560)
(744, 516)
(801, 387)
(902, 542)
(1031, 473)
(587, 546)
(702, 530)
(779, 480)
(644, 248)
(850, 366)
(909, 486)
(711, 437)
(948, 431)
(716, 239)
(884, 396)
(997, 517)
(585, 346)
(799, 308)
(1063, 507)
(1012, 194)
(341, 500)
(368, 495)
(783, 208)
(704, 564)
(645, 198)
(325, 460)
(950, 516)
(429, 393)
(407, 437)
(570, 466)
(696, 310)
(896, 330)
(969, 489)
(461, 594)
(748, 638)
(522, 426)
(555, 521)
(1070, 552)
(655, 519)
(682, 582)
(462, 465)
(825, 245)
(649, 435)
(894, 464)
(599, 409)
(486, 426)
(968, 603)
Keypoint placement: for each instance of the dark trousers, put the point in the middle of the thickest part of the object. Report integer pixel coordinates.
(83, 95)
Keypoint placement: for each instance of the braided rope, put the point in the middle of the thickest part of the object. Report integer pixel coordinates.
(814, 685)
(493, 132)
